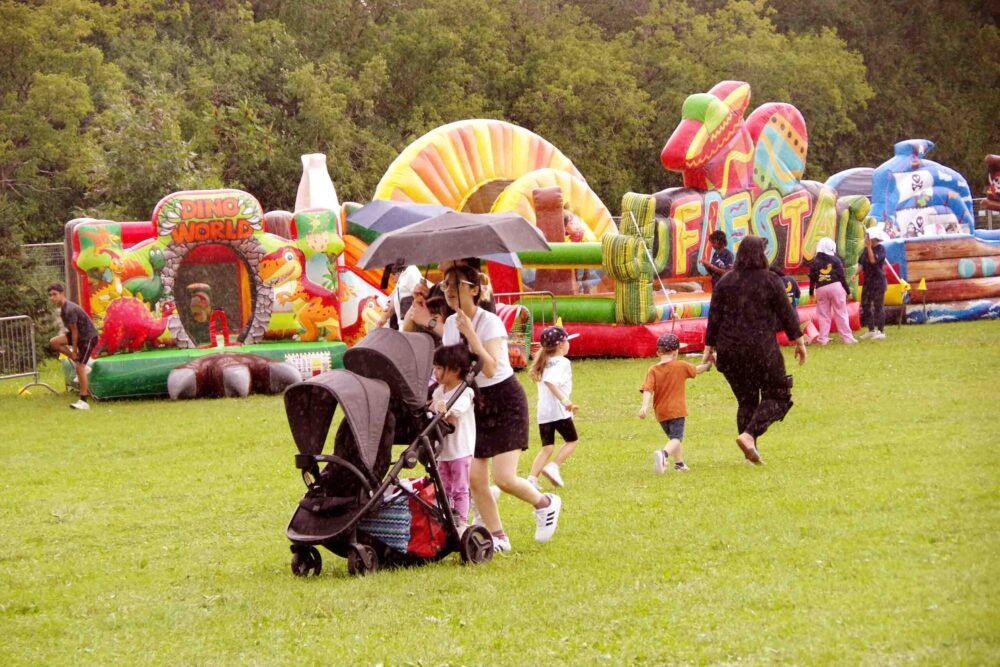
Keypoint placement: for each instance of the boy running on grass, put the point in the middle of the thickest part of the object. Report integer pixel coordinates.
(664, 384)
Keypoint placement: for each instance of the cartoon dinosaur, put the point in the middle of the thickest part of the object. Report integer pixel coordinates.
(315, 307)
(148, 287)
(369, 315)
(101, 260)
(128, 325)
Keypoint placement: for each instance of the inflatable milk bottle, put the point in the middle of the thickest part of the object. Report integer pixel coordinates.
(316, 187)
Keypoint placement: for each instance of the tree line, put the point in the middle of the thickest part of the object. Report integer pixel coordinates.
(105, 107)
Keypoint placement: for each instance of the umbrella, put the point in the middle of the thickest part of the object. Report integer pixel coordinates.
(454, 235)
(384, 215)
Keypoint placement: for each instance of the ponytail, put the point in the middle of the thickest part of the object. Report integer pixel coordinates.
(539, 362)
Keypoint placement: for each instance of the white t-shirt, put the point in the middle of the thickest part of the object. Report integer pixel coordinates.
(461, 442)
(488, 327)
(558, 372)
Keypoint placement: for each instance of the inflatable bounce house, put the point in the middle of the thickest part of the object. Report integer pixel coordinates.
(926, 209)
(211, 275)
(622, 286)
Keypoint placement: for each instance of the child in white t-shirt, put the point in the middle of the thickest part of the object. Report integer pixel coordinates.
(451, 366)
(554, 375)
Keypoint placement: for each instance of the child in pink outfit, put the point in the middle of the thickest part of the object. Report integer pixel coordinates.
(829, 283)
(451, 365)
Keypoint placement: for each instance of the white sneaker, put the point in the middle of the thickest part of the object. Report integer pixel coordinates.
(551, 470)
(534, 482)
(547, 519)
(870, 334)
(501, 545)
(660, 461)
(80, 405)
(878, 335)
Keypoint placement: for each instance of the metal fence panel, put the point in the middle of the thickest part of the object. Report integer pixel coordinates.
(17, 351)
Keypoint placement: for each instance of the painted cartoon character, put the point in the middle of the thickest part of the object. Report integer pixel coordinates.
(369, 315)
(128, 325)
(316, 308)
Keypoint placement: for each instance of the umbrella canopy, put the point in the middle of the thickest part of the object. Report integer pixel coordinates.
(384, 215)
(454, 235)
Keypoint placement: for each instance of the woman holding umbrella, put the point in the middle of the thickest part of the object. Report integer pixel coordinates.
(501, 415)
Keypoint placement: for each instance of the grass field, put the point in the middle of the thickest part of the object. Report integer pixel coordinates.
(152, 532)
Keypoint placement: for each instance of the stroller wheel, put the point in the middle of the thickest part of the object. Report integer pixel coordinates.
(362, 560)
(306, 561)
(477, 545)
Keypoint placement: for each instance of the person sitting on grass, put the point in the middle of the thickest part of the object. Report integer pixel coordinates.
(664, 385)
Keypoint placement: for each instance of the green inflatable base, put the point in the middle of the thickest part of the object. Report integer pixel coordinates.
(144, 374)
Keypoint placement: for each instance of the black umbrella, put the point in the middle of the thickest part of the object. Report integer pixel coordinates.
(455, 235)
(384, 215)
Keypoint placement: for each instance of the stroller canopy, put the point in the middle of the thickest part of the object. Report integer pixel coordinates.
(401, 360)
(310, 406)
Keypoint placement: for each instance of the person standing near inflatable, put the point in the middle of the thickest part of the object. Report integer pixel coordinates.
(722, 257)
(828, 282)
(748, 306)
(872, 263)
(554, 375)
(77, 343)
(501, 415)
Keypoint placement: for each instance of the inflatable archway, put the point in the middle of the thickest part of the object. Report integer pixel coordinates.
(579, 199)
(193, 221)
(471, 165)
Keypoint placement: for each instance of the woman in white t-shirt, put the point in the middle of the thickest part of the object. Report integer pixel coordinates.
(501, 415)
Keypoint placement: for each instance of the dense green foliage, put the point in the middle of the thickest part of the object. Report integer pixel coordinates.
(107, 106)
(152, 532)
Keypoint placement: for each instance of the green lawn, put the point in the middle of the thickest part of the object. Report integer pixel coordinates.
(152, 532)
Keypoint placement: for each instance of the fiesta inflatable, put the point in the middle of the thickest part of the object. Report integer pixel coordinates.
(624, 284)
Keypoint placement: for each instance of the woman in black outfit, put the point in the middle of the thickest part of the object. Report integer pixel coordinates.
(749, 305)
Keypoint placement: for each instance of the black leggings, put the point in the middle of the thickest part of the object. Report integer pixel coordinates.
(763, 391)
(872, 310)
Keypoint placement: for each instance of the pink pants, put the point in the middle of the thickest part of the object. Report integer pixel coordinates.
(455, 477)
(832, 301)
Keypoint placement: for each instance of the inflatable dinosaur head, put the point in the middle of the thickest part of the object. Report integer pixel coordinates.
(282, 265)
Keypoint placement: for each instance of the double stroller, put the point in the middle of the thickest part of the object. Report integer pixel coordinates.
(356, 503)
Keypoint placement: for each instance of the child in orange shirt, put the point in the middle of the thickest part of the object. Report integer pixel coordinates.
(664, 385)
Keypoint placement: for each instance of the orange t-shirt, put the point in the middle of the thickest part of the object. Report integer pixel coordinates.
(666, 381)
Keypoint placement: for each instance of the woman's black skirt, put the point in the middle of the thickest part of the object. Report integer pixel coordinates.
(502, 421)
